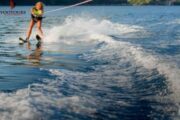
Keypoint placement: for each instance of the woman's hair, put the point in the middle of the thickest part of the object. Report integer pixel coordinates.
(41, 3)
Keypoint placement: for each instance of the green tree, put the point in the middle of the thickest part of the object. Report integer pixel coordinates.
(139, 2)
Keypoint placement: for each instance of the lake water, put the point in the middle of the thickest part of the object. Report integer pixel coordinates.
(101, 63)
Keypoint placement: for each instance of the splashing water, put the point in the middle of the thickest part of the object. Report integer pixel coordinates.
(98, 69)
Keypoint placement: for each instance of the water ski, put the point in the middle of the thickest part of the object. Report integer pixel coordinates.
(38, 38)
(22, 41)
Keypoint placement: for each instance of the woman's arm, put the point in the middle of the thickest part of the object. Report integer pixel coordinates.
(32, 11)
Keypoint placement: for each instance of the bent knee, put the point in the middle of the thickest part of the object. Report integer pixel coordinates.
(39, 28)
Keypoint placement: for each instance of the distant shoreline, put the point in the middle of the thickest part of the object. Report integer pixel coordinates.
(99, 5)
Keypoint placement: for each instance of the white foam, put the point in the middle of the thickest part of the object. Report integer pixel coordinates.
(141, 58)
(36, 105)
(175, 21)
(84, 27)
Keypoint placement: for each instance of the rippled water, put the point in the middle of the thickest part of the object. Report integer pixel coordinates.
(119, 63)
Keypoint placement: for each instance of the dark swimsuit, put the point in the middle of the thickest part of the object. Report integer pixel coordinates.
(35, 18)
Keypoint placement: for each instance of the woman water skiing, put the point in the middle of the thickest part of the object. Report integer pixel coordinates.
(36, 18)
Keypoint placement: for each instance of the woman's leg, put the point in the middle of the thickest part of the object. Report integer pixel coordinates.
(40, 32)
(30, 29)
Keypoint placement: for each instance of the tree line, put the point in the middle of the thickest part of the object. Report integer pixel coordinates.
(95, 2)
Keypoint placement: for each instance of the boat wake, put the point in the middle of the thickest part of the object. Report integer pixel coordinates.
(125, 79)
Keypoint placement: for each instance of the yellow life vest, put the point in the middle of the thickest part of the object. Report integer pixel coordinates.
(37, 12)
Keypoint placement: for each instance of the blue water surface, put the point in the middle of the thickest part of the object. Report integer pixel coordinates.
(96, 62)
